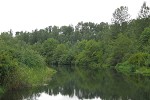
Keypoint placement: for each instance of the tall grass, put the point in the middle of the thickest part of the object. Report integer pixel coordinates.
(28, 77)
(36, 76)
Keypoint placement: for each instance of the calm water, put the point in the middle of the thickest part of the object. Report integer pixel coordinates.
(80, 84)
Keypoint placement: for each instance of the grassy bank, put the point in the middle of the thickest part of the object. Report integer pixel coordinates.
(28, 77)
(38, 76)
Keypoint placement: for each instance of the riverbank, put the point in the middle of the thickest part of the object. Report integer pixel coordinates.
(38, 76)
(29, 78)
(20, 65)
(81, 83)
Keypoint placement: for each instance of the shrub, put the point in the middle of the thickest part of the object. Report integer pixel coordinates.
(125, 68)
(21, 66)
(139, 59)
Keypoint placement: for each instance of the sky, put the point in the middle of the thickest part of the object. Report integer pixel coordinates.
(27, 15)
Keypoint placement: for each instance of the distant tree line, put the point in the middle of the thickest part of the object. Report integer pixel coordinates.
(93, 44)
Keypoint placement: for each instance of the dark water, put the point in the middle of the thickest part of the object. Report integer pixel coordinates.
(80, 84)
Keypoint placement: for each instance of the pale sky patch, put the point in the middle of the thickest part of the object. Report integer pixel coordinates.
(21, 15)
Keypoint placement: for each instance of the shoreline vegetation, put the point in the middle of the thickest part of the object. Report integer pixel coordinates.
(20, 66)
(123, 45)
(32, 78)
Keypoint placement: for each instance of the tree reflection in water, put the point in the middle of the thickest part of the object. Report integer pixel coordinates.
(73, 83)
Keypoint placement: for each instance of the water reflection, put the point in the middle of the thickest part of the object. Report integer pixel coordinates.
(77, 83)
(45, 96)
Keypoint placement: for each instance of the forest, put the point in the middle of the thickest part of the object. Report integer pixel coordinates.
(123, 45)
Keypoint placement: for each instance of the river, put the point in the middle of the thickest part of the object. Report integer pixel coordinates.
(74, 83)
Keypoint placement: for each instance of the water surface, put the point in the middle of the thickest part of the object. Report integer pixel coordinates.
(72, 83)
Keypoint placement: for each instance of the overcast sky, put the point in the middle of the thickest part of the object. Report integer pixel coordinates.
(21, 15)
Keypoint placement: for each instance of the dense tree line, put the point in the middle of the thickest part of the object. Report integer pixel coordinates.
(123, 45)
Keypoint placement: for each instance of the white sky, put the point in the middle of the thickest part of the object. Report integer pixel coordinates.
(21, 15)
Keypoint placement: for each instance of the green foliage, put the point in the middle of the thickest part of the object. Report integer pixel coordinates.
(125, 68)
(35, 76)
(89, 44)
(30, 58)
(145, 37)
(143, 71)
(8, 67)
(138, 63)
(69, 58)
(91, 54)
(48, 47)
(1, 90)
(125, 45)
(60, 50)
(139, 59)
(20, 65)
(122, 47)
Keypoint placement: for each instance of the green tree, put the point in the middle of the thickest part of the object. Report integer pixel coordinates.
(122, 47)
(91, 54)
(48, 48)
(60, 50)
(145, 40)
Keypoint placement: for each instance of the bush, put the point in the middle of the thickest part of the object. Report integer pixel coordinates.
(145, 36)
(139, 59)
(143, 71)
(21, 66)
(138, 63)
(31, 58)
(35, 76)
(125, 68)
(7, 67)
